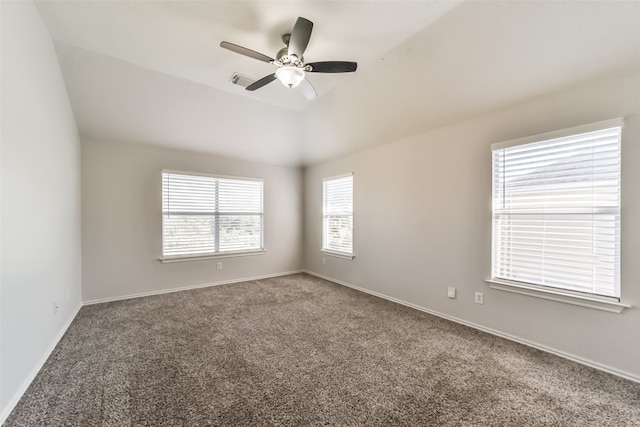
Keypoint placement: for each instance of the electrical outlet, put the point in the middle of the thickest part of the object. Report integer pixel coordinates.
(219, 266)
(479, 298)
(56, 307)
(324, 260)
(451, 292)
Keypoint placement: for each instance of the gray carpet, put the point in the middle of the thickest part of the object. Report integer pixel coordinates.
(298, 350)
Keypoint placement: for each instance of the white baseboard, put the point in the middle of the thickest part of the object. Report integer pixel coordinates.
(188, 287)
(32, 374)
(574, 358)
(18, 395)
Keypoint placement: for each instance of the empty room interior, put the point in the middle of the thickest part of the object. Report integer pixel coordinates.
(320, 213)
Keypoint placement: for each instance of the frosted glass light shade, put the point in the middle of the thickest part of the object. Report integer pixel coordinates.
(290, 76)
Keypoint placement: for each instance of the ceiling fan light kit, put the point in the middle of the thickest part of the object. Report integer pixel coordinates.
(292, 70)
(290, 76)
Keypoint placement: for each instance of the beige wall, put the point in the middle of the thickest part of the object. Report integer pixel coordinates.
(40, 226)
(423, 223)
(122, 221)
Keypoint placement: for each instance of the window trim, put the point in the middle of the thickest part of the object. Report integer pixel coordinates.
(181, 258)
(584, 299)
(333, 252)
(610, 304)
(343, 255)
(209, 255)
(591, 127)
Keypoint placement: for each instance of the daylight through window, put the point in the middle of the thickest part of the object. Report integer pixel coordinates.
(204, 215)
(556, 210)
(337, 224)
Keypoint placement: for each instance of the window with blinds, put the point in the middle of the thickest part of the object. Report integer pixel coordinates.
(556, 210)
(204, 215)
(337, 214)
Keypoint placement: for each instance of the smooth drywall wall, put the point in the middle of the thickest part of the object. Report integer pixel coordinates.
(40, 201)
(422, 212)
(122, 221)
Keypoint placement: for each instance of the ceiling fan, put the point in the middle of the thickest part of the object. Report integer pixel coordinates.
(290, 62)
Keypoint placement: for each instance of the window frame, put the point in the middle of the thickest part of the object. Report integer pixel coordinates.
(324, 249)
(585, 299)
(218, 254)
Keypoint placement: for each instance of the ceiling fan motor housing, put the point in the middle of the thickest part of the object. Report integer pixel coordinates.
(283, 58)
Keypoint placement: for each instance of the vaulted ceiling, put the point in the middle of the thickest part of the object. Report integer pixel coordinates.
(153, 72)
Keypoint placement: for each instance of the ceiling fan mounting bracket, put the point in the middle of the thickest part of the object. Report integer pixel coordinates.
(286, 38)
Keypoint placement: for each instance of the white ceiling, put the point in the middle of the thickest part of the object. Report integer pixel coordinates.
(153, 71)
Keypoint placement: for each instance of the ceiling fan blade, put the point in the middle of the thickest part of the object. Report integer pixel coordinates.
(300, 37)
(262, 82)
(307, 90)
(246, 52)
(333, 67)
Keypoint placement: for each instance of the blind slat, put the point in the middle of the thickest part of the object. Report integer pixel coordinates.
(206, 214)
(556, 212)
(338, 214)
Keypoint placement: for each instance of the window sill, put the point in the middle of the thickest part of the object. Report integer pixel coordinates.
(342, 255)
(183, 258)
(558, 295)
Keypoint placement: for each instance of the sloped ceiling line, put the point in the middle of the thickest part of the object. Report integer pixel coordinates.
(153, 72)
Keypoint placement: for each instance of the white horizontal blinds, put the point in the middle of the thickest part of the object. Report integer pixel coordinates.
(338, 214)
(205, 214)
(240, 214)
(188, 206)
(556, 212)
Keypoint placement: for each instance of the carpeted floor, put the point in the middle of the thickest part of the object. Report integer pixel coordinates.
(298, 350)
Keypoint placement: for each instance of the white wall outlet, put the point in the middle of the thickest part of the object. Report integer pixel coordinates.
(56, 307)
(219, 266)
(479, 298)
(451, 292)
(324, 260)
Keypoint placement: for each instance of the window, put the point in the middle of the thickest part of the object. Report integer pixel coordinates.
(337, 215)
(210, 215)
(556, 210)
